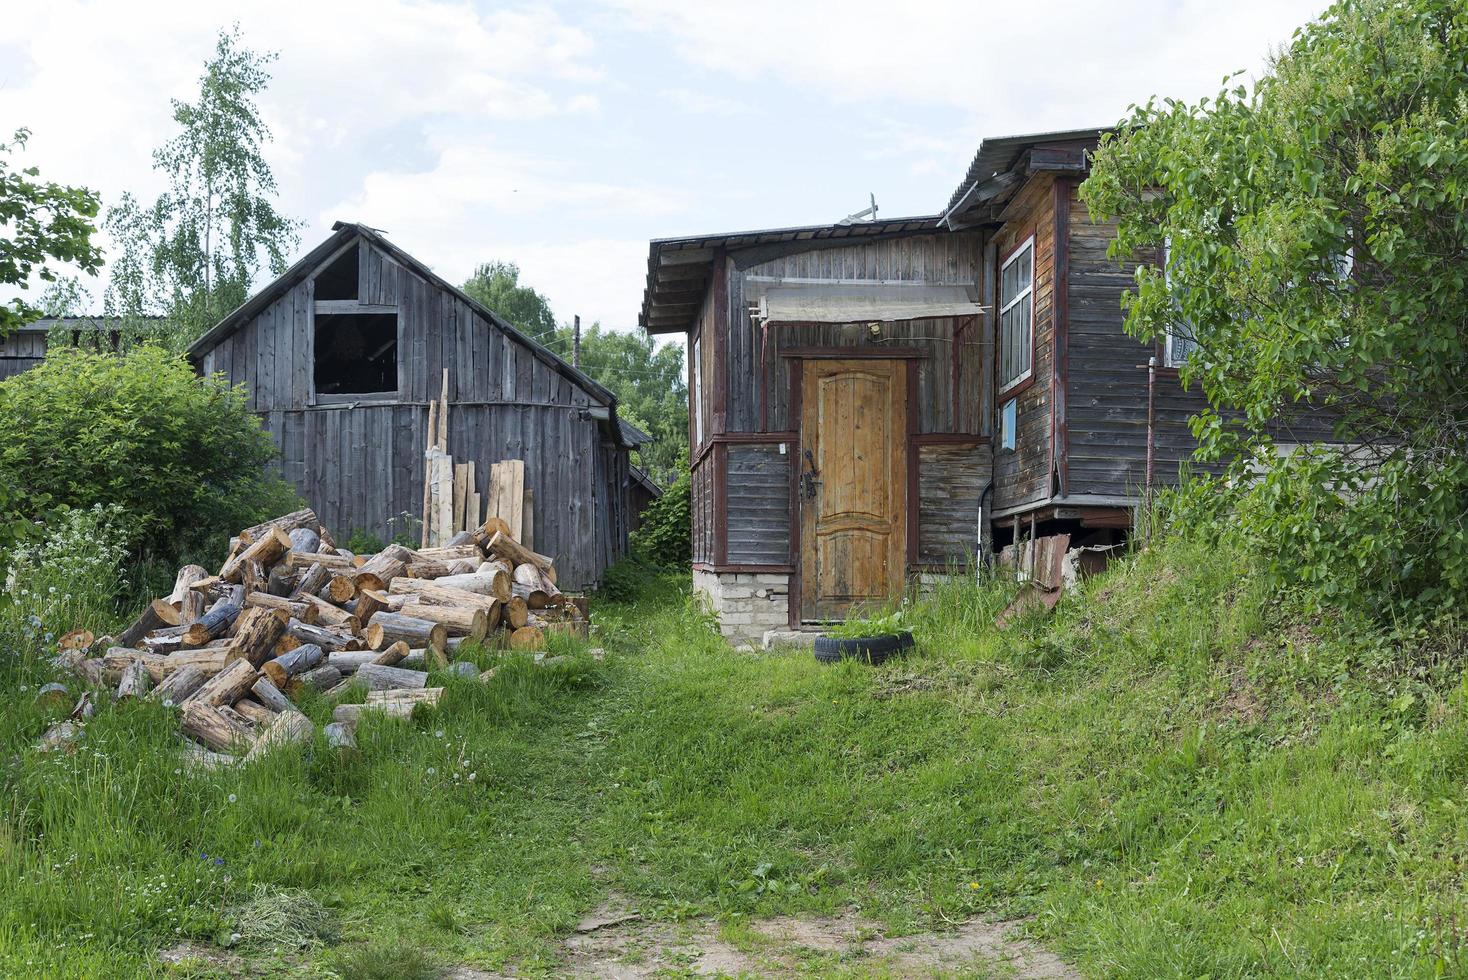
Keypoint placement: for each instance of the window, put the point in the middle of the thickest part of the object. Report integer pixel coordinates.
(1016, 315)
(1008, 416)
(1180, 342)
(697, 391)
(356, 353)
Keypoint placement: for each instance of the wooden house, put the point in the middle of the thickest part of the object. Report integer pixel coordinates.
(341, 356)
(24, 348)
(870, 401)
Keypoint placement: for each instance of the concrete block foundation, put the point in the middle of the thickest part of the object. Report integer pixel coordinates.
(747, 604)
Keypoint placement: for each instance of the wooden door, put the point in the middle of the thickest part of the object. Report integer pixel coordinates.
(853, 485)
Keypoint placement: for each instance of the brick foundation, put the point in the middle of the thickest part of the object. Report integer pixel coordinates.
(746, 603)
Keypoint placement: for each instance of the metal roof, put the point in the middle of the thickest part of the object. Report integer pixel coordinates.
(998, 155)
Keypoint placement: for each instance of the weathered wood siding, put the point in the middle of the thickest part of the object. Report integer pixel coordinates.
(950, 480)
(1023, 475)
(361, 465)
(759, 505)
(21, 351)
(702, 504)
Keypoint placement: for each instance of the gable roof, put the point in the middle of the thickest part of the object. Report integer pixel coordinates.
(995, 158)
(345, 231)
(678, 269)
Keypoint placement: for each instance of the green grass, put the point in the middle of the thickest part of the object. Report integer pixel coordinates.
(1176, 775)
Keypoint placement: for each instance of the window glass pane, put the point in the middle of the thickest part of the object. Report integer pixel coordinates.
(1007, 416)
(1022, 337)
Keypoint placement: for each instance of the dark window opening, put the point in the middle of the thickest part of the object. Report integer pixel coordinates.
(356, 353)
(339, 280)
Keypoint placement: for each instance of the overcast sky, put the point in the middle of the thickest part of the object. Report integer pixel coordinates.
(562, 136)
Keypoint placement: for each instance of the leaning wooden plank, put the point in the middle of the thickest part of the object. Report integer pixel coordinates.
(461, 494)
(473, 510)
(213, 729)
(288, 728)
(527, 519)
(445, 489)
(156, 615)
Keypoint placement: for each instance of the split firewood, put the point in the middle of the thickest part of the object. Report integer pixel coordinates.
(269, 549)
(156, 615)
(214, 729)
(211, 626)
(298, 661)
(376, 677)
(79, 639)
(328, 546)
(227, 686)
(311, 581)
(342, 737)
(320, 678)
(305, 517)
(229, 711)
(286, 728)
(303, 611)
(271, 696)
(330, 615)
(516, 613)
(457, 620)
(208, 585)
(527, 638)
(326, 637)
(53, 696)
(389, 628)
(567, 627)
(256, 632)
(257, 714)
(305, 539)
(135, 681)
(176, 688)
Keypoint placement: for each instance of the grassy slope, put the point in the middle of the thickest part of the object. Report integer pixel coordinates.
(1174, 776)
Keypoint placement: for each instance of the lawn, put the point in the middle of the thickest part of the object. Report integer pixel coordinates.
(1178, 774)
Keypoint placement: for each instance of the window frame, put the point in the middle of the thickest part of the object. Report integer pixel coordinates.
(696, 383)
(1009, 430)
(1027, 294)
(1169, 361)
(352, 397)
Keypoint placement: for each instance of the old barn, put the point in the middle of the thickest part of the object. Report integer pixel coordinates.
(341, 357)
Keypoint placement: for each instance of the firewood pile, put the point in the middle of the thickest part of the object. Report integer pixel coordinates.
(290, 612)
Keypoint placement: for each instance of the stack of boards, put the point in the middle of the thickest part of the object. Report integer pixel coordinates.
(451, 504)
(288, 612)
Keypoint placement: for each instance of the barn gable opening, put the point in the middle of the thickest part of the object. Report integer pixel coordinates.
(356, 353)
(338, 279)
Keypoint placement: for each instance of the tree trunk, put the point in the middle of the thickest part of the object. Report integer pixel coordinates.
(436, 593)
(389, 628)
(298, 661)
(207, 725)
(214, 624)
(288, 728)
(157, 615)
(197, 757)
(458, 620)
(285, 522)
(280, 582)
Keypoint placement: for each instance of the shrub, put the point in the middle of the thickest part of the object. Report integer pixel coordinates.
(666, 535)
(181, 456)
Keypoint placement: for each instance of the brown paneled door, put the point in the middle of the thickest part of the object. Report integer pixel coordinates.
(852, 486)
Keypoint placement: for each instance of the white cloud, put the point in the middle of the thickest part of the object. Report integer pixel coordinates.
(702, 103)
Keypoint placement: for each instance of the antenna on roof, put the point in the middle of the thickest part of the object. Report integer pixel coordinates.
(869, 214)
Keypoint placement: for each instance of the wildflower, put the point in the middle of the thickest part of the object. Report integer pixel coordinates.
(472, 776)
(431, 770)
(233, 798)
(219, 862)
(438, 734)
(973, 884)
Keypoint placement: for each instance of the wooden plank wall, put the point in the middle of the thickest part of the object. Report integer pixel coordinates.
(1023, 476)
(950, 480)
(362, 466)
(21, 351)
(759, 505)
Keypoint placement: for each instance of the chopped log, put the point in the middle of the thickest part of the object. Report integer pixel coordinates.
(439, 567)
(567, 627)
(156, 615)
(339, 590)
(451, 553)
(492, 525)
(287, 728)
(527, 638)
(271, 696)
(389, 628)
(228, 711)
(253, 576)
(305, 539)
(85, 707)
(118, 659)
(434, 658)
(297, 560)
(211, 660)
(535, 577)
(328, 638)
(179, 685)
(61, 737)
(213, 728)
(281, 582)
(577, 602)
(457, 620)
(255, 712)
(463, 537)
(390, 562)
(227, 686)
(53, 696)
(303, 611)
(496, 584)
(197, 757)
(350, 662)
(267, 551)
(319, 679)
(534, 598)
(463, 668)
(303, 658)
(516, 613)
(170, 639)
(92, 672)
(435, 593)
(285, 522)
(311, 581)
(329, 615)
(135, 681)
(342, 737)
(515, 553)
(377, 677)
(394, 703)
(488, 675)
(369, 602)
(207, 585)
(256, 632)
(214, 624)
(78, 639)
(328, 546)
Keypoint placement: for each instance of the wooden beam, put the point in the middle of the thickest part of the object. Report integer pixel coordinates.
(352, 306)
(685, 256)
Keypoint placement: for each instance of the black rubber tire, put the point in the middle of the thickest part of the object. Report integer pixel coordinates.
(871, 650)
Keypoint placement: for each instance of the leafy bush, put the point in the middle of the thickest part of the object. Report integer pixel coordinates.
(181, 456)
(886, 623)
(666, 535)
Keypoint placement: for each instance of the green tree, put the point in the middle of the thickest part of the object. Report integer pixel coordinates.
(497, 286)
(650, 388)
(193, 254)
(1316, 233)
(40, 223)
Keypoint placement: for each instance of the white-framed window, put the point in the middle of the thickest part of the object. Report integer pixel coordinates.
(697, 391)
(1017, 315)
(1008, 421)
(1179, 342)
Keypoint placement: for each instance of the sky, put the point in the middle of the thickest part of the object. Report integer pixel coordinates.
(564, 136)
